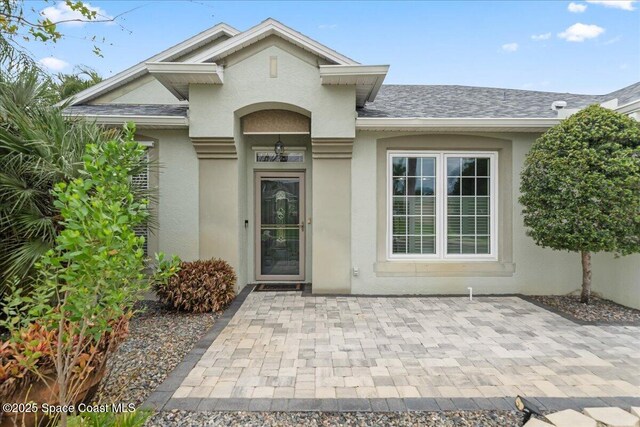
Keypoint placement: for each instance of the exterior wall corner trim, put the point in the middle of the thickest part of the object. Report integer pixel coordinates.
(215, 147)
(331, 148)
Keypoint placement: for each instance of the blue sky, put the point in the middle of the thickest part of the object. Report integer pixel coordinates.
(579, 47)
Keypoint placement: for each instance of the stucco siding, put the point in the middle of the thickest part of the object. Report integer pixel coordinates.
(617, 279)
(247, 82)
(536, 271)
(143, 90)
(178, 194)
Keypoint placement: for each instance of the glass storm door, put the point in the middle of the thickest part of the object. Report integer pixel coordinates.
(280, 226)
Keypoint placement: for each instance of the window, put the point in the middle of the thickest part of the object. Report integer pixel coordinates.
(141, 182)
(287, 157)
(442, 205)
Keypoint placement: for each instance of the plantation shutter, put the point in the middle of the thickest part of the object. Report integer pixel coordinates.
(141, 181)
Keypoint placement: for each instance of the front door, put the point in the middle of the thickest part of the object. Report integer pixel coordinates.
(280, 225)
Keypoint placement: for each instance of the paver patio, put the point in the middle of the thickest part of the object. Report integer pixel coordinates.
(285, 345)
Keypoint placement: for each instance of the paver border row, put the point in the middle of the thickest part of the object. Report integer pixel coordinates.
(437, 404)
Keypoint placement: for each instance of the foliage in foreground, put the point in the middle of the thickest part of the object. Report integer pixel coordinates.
(94, 274)
(135, 418)
(581, 187)
(67, 85)
(39, 147)
(199, 287)
(29, 358)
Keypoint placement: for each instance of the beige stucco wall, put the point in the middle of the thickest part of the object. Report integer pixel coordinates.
(247, 82)
(143, 90)
(536, 270)
(219, 221)
(617, 279)
(332, 226)
(178, 193)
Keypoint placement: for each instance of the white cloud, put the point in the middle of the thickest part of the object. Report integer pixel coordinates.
(540, 37)
(510, 47)
(576, 7)
(581, 32)
(615, 4)
(53, 64)
(62, 12)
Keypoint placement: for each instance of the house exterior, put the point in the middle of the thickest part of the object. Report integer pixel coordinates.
(295, 163)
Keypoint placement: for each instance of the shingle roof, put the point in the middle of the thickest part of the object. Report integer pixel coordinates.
(441, 101)
(129, 110)
(626, 94)
(437, 101)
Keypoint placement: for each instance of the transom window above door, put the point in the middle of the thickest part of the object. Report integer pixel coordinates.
(442, 205)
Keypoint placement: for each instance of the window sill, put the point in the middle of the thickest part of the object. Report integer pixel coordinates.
(444, 269)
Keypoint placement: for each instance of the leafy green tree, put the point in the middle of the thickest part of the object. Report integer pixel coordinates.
(16, 22)
(581, 187)
(67, 85)
(21, 22)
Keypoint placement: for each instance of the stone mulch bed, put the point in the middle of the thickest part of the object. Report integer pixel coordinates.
(159, 338)
(313, 419)
(598, 310)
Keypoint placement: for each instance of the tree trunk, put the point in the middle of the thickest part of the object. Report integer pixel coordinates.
(585, 296)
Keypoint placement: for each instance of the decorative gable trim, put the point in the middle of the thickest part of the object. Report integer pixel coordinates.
(266, 29)
(138, 70)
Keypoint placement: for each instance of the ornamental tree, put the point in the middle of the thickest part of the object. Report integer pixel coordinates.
(581, 187)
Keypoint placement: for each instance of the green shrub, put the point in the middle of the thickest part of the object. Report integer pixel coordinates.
(135, 418)
(198, 286)
(95, 272)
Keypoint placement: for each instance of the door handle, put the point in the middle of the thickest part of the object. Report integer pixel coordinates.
(302, 226)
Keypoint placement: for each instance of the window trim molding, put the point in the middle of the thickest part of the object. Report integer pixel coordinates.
(441, 216)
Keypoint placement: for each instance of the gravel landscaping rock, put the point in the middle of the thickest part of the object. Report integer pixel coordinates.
(598, 310)
(312, 419)
(159, 338)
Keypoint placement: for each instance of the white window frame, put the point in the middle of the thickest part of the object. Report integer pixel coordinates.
(441, 209)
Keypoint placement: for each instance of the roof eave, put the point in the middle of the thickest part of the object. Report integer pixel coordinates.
(367, 78)
(177, 76)
(140, 69)
(141, 121)
(630, 107)
(453, 123)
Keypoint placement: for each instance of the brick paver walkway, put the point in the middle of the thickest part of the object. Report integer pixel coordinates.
(285, 345)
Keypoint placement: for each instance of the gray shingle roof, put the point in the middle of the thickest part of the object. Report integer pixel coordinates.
(626, 94)
(468, 101)
(437, 101)
(129, 110)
